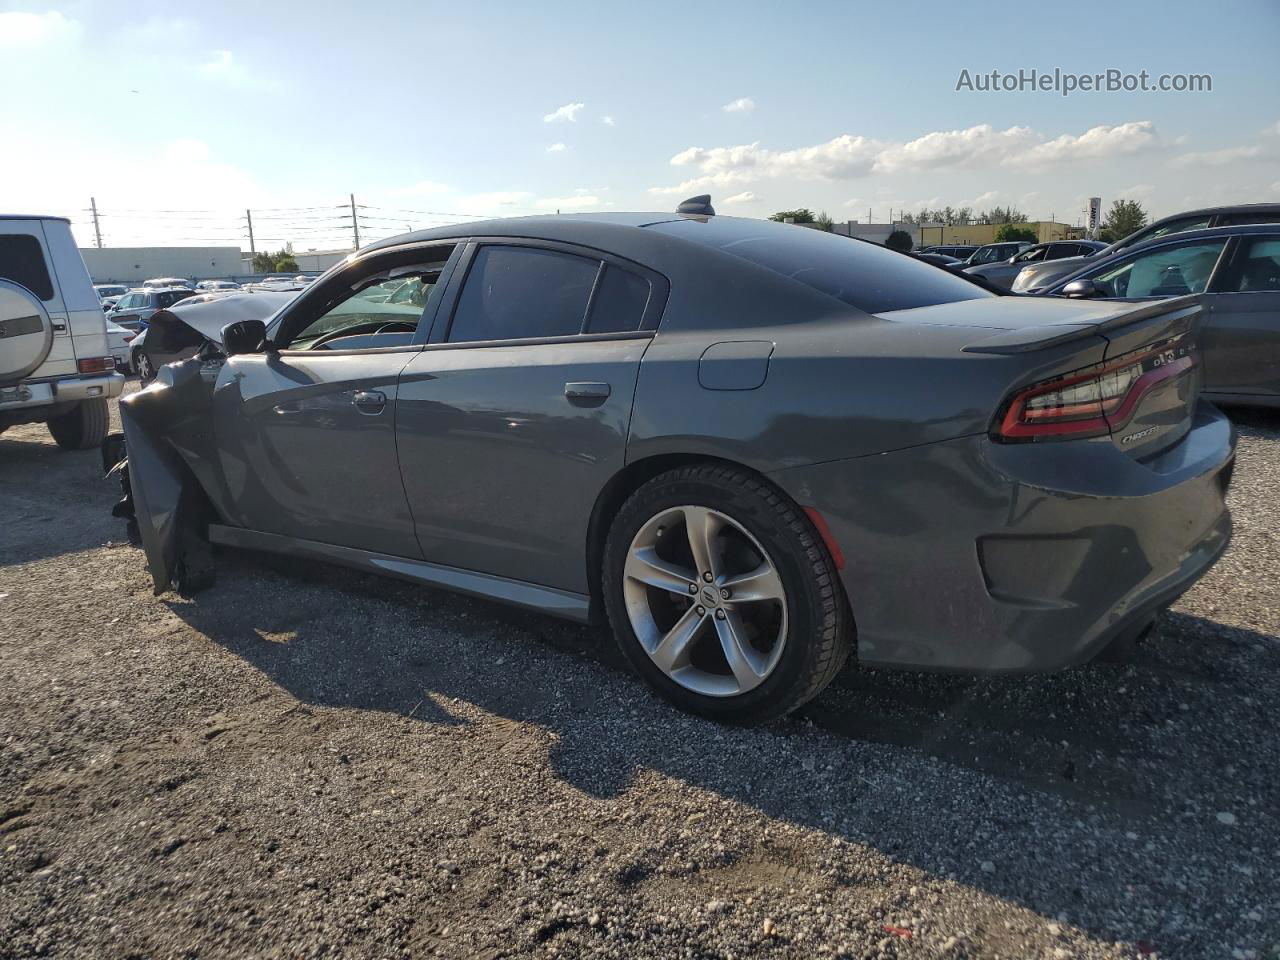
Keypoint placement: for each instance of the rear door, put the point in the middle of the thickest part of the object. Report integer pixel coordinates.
(306, 435)
(1241, 338)
(516, 414)
(25, 259)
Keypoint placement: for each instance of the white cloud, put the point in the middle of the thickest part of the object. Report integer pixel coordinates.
(746, 196)
(741, 105)
(985, 199)
(220, 61)
(607, 120)
(20, 31)
(569, 113)
(1216, 158)
(557, 148)
(1272, 131)
(848, 156)
(580, 202)
(1139, 191)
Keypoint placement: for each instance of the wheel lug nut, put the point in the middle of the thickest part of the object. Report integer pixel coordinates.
(719, 614)
(707, 576)
(693, 588)
(724, 593)
(702, 611)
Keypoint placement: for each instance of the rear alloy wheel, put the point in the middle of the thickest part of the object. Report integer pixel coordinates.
(142, 363)
(83, 427)
(722, 595)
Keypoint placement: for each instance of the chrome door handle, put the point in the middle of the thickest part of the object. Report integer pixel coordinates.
(369, 402)
(586, 391)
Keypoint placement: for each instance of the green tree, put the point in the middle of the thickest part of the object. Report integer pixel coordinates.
(803, 215)
(824, 221)
(281, 261)
(285, 263)
(1003, 215)
(899, 240)
(1010, 232)
(1125, 217)
(263, 262)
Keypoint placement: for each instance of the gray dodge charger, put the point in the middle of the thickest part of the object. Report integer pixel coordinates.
(752, 449)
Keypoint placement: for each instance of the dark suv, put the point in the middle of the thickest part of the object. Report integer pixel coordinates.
(135, 308)
(1038, 277)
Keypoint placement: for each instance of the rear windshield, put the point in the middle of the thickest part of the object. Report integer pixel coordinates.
(863, 275)
(22, 261)
(169, 297)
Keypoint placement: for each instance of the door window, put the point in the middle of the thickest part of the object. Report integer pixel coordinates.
(22, 261)
(1256, 268)
(381, 313)
(620, 301)
(523, 292)
(1237, 219)
(1173, 226)
(1032, 255)
(1170, 271)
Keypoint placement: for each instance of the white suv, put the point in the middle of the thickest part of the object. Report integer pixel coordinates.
(55, 364)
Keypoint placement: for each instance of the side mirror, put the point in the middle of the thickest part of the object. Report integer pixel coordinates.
(244, 336)
(1081, 289)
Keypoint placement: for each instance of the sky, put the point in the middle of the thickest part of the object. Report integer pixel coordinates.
(176, 117)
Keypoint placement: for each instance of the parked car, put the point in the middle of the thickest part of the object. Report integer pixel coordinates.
(118, 340)
(106, 291)
(650, 417)
(167, 282)
(1038, 277)
(134, 309)
(190, 327)
(55, 365)
(1002, 274)
(996, 252)
(1236, 270)
(940, 260)
(213, 286)
(961, 251)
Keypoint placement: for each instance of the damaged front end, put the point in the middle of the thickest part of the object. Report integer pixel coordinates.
(165, 461)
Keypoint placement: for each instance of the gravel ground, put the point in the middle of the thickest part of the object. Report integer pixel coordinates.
(306, 762)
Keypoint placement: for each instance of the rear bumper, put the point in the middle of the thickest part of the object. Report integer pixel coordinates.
(41, 393)
(980, 557)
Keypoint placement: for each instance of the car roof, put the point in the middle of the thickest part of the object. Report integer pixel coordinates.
(1207, 233)
(32, 216)
(569, 227)
(1231, 208)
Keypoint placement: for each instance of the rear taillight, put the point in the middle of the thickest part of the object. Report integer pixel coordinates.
(1093, 401)
(96, 365)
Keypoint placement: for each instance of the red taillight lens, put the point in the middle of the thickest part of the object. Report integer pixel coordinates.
(1093, 401)
(96, 365)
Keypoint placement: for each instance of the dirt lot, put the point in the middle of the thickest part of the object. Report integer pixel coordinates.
(307, 762)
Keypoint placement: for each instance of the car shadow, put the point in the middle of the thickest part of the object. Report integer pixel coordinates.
(1097, 746)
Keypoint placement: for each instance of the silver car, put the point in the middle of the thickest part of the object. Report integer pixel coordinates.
(134, 309)
(751, 449)
(1002, 274)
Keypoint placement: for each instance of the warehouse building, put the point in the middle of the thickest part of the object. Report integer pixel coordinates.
(132, 265)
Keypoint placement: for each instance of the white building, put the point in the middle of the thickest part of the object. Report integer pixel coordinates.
(132, 265)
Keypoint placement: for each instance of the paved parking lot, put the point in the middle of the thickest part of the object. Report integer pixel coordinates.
(303, 761)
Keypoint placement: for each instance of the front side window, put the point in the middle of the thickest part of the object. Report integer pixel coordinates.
(379, 307)
(1173, 226)
(1171, 271)
(514, 293)
(1032, 255)
(22, 261)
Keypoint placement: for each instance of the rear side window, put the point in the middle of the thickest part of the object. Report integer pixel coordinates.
(620, 301)
(861, 274)
(22, 261)
(523, 292)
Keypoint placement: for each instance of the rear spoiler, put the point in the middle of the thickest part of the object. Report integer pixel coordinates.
(1028, 339)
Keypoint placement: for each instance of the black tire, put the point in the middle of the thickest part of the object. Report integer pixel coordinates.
(819, 632)
(84, 427)
(193, 570)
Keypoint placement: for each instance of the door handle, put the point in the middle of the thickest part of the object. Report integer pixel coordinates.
(586, 391)
(369, 402)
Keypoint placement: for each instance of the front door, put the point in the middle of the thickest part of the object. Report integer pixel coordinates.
(306, 433)
(516, 415)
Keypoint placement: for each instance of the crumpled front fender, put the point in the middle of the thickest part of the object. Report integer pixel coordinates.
(169, 416)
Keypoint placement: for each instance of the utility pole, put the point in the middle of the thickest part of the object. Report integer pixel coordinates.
(248, 215)
(355, 222)
(97, 232)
